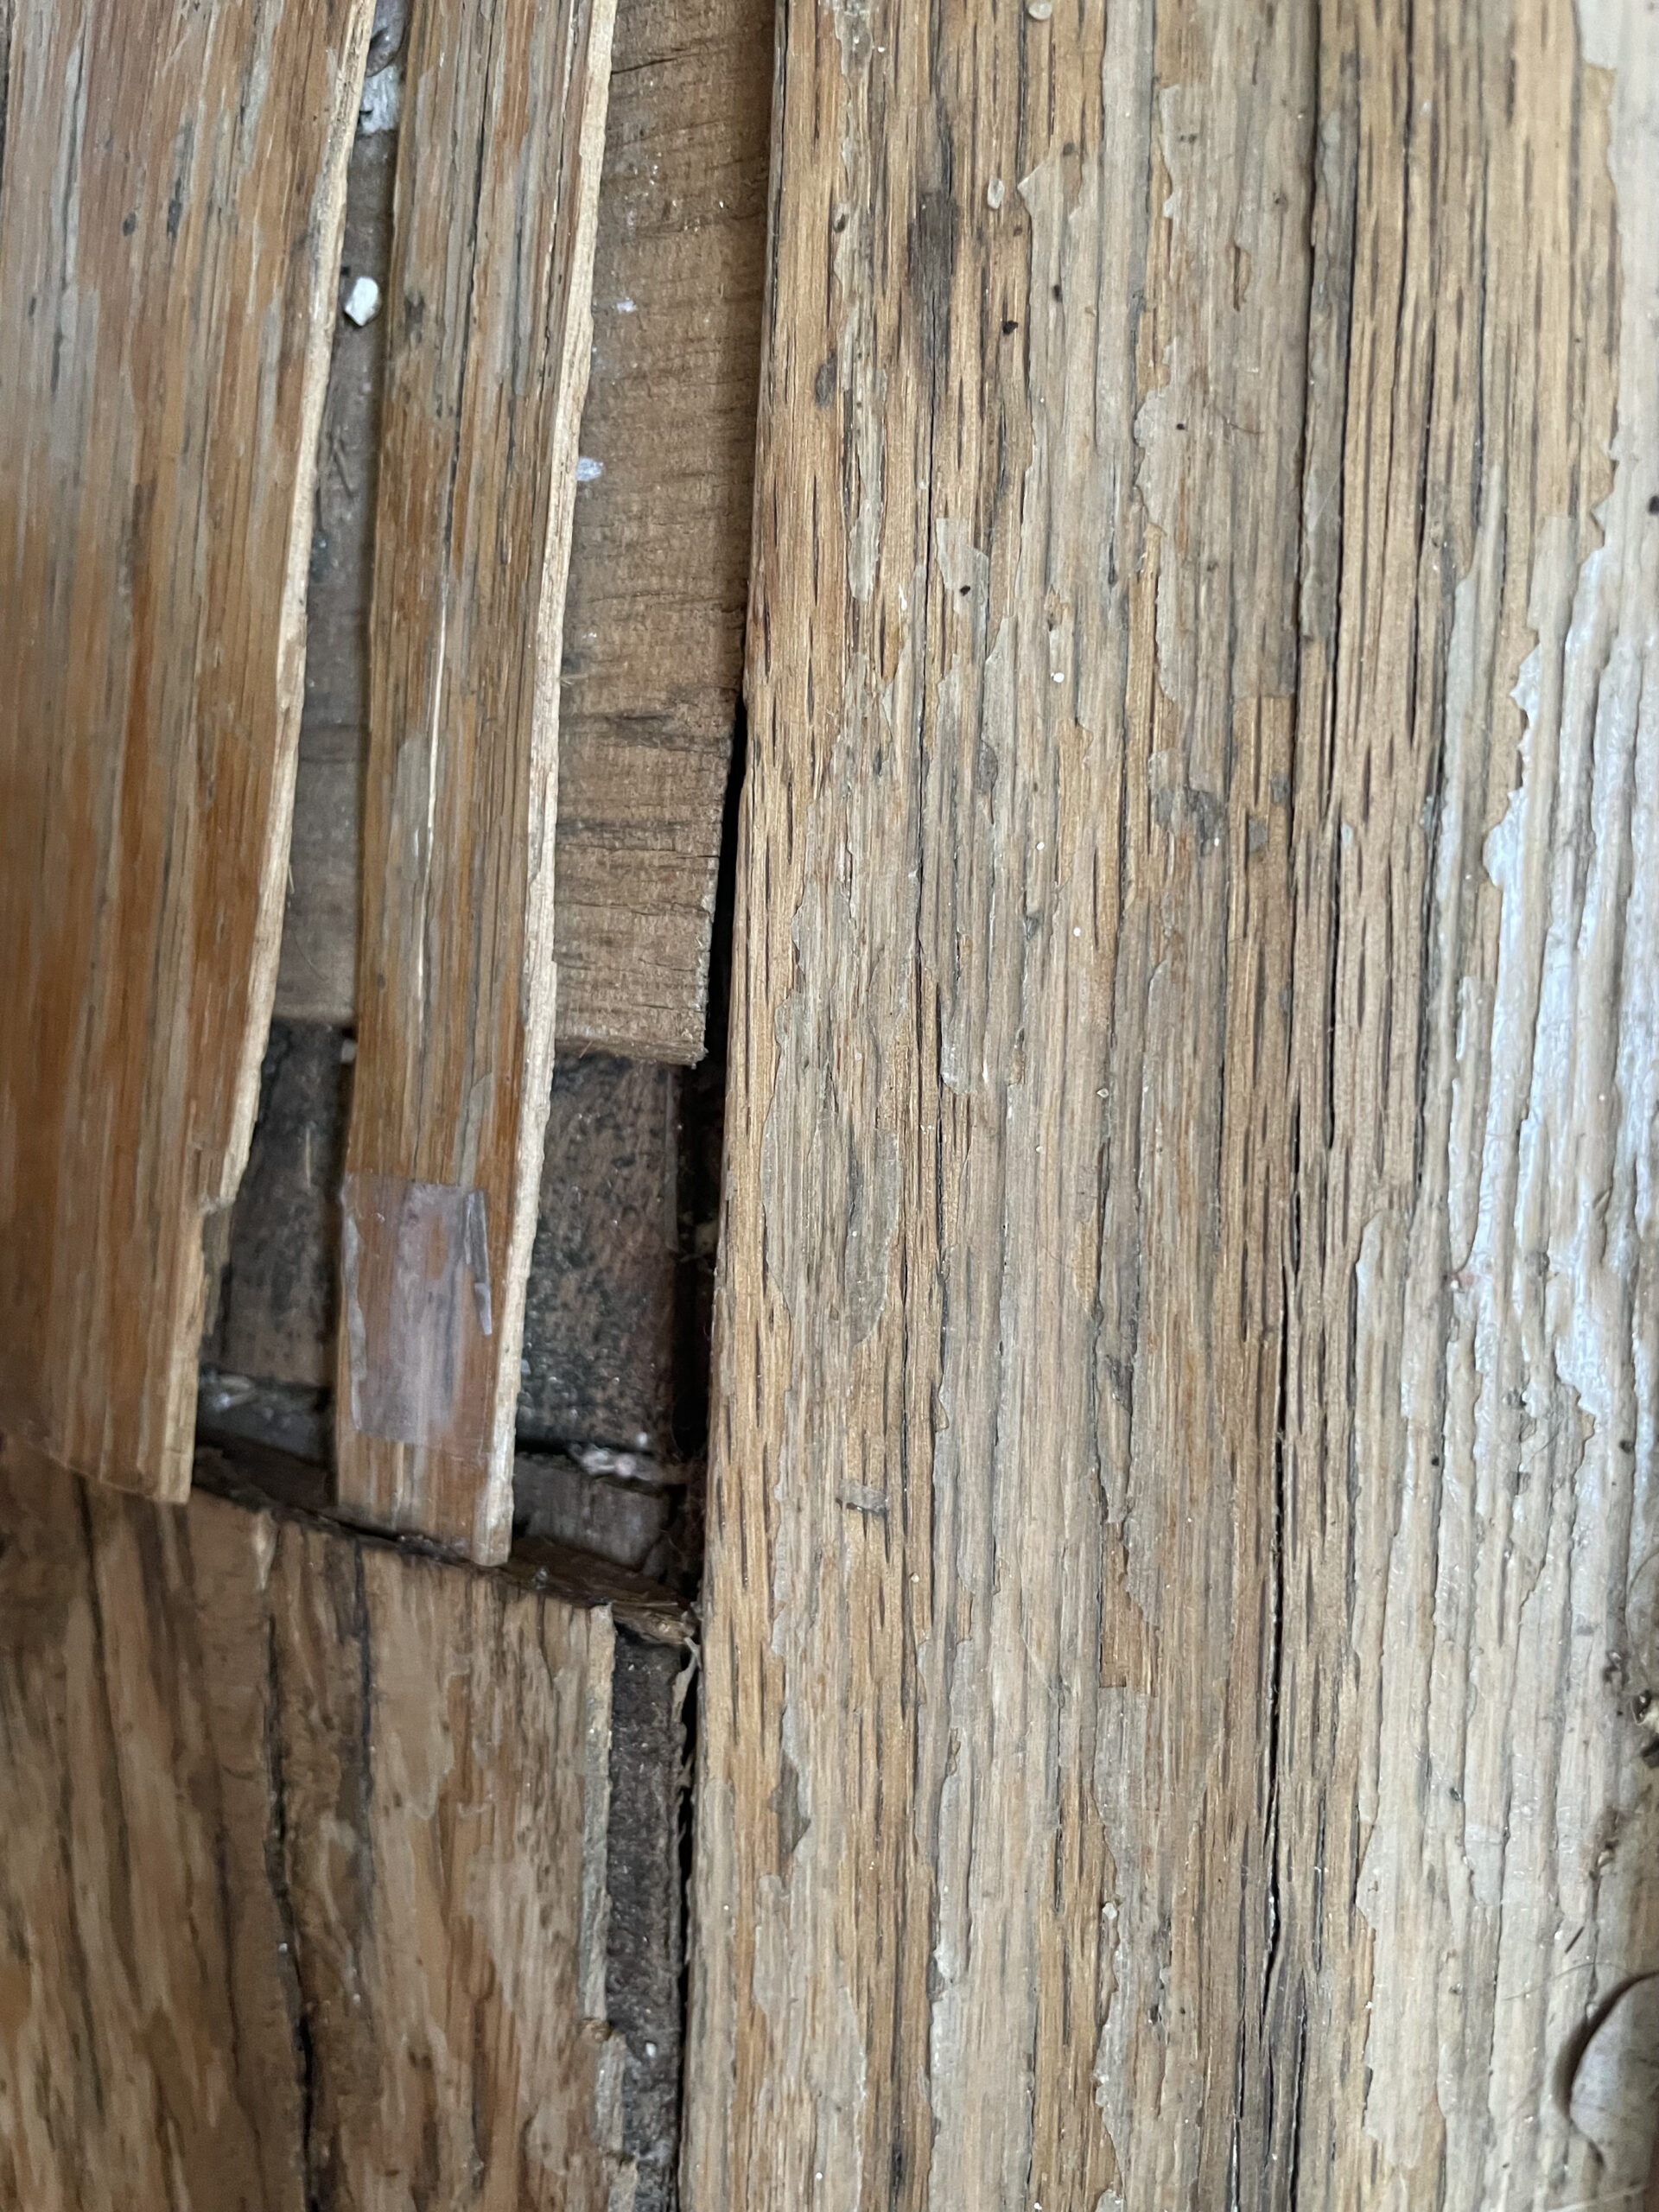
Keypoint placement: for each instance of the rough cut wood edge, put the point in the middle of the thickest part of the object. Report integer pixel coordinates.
(653, 643)
(306, 1884)
(1181, 1618)
(164, 311)
(491, 315)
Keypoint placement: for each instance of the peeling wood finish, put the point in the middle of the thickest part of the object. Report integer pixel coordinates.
(169, 225)
(653, 641)
(303, 1895)
(489, 308)
(1181, 1616)
(1467, 1829)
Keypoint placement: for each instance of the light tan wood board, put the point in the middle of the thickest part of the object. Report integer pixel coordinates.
(1181, 1618)
(305, 1880)
(489, 324)
(659, 556)
(170, 225)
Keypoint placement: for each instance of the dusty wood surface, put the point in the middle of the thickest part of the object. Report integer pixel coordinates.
(169, 227)
(1176, 1732)
(489, 311)
(305, 1893)
(659, 557)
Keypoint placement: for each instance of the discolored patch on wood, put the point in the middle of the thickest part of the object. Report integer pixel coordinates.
(1180, 1495)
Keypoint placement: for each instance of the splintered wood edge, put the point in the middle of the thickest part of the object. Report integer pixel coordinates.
(273, 875)
(540, 984)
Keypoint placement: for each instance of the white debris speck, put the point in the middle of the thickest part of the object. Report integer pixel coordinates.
(362, 302)
(626, 306)
(995, 191)
(589, 471)
(1039, 10)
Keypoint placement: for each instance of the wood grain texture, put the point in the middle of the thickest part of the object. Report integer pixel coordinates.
(659, 557)
(316, 977)
(659, 563)
(170, 225)
(304, 1890)
(487, 345)
(1468, 1824)
(1179, 1619)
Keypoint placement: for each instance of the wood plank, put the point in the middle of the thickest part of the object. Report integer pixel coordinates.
(169, 225)
(1176, 1735)
(1469, 1452)
(659, 557)
(1022, 652)
(489, 308)
(307, 1882)
(659, 564)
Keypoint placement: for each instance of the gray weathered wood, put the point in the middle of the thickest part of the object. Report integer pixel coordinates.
(1467, 1829)
(1180, 1618)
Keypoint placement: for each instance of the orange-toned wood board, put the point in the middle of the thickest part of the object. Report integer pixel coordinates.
(489, 308)
(170, 210)
(1181, 1623)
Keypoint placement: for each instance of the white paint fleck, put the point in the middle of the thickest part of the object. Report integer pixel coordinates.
(589, 471)
(362, 302)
